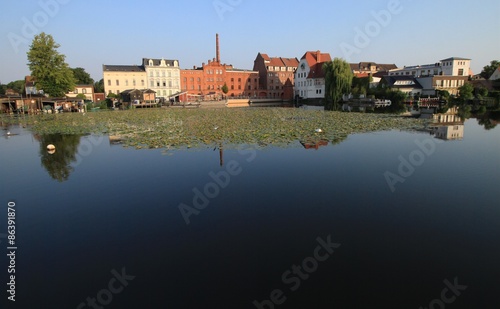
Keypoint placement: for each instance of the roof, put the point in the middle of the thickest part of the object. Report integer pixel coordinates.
(404, 81)
(365, 66)
(157, 62)
(455, 58)
(317, 71)
(122, 68)
(280, 61)
(312, 57)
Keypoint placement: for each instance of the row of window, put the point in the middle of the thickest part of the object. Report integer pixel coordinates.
(164, 84)
(163, 74)
(84, 91)
(302, 75)
(271, 68)
(309, 82)
(117, 82)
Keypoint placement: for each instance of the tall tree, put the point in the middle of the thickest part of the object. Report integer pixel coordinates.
(466, 92)
(99, 86)
(48, 66)
(338, 81)
(82, 77)
(490, 69)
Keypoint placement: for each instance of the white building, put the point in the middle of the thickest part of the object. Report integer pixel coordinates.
(164, 76)
(454, 66)
(310, 77)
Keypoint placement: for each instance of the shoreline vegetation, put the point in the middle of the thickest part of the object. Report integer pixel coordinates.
(161, 128)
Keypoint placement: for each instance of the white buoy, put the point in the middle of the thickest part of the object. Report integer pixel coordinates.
(318, 130)
(51, 147)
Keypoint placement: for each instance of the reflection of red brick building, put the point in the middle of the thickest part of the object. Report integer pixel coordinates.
(206, 82)
(276, 76)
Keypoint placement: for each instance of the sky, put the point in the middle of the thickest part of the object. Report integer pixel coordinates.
(404, 32)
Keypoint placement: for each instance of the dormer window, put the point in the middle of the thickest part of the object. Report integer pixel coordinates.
(162, 62)
(150, 62)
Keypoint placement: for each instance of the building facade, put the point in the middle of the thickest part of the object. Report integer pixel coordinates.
(87, 90)
(207, 82)
(163, 76)
(277, 76)
(118, 78)
(310, 77)
(454, 66)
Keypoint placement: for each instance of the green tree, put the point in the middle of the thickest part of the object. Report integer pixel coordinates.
(82, 77)
(81, 96)
(466, 92)
(225, 89)
(99, 86)
(17, 86)
(338, 81)
(490, 69)
(48, 66)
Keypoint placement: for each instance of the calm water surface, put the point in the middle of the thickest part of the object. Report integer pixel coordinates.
(376, 221)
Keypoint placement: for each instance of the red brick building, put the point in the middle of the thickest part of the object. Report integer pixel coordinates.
(276, 76)
(206, 82)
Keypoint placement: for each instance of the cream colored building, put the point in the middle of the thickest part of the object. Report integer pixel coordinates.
(87, 90)
(163, 76)
(118, 78)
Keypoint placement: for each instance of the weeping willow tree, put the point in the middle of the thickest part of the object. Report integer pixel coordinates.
(338, 81)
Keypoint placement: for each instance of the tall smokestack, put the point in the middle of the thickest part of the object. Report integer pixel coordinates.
(217, 50)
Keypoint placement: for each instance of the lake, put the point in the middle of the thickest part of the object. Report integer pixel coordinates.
(392, 219)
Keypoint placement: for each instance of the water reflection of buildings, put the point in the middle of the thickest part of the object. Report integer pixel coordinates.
(448, 126)
(314, 144)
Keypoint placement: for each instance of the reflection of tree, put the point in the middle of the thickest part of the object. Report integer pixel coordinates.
(489, 120)
(58, 164)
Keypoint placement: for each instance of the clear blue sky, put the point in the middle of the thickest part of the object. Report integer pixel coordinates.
(92, 33)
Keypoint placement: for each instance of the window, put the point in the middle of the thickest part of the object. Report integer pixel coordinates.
(461, 72)
(84, 91)
(133, 82)
(157, 84)
(109, 82)
(170, 84)
(164, 84)
(152, 84)
(75, 91)
(117, 82)
(126, 82)
(142, 82)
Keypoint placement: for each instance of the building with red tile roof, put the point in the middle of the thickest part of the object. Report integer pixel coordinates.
(310, 76)
(207, 82)
(276, 76)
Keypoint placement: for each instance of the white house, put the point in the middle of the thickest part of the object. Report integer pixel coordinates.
(310, 77)
(164, 76)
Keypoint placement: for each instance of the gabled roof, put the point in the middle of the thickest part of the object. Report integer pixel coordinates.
(280, 61)
(317, 71)
(313, 57)
(122, 68)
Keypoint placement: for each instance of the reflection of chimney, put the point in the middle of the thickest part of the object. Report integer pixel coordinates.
(217, 50)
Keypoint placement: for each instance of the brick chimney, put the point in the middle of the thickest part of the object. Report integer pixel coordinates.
(217, 50)
(318, 56)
